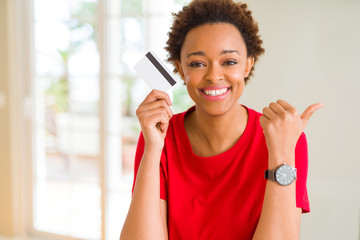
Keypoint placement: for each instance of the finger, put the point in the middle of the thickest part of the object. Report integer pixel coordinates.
(163, 124)
(286, 106)
(269, 113)
(277, 108)
(163, 127)
(155, 105)
(147, 117)
(157, 120)
(305, 116)
(263, 121)
(155, 95)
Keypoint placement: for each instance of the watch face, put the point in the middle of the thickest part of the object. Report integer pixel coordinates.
(285, 175)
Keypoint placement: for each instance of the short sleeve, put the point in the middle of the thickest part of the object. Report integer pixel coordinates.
(301, 164)
(138, 156)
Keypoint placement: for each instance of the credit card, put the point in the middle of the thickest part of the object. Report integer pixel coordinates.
(155, 73)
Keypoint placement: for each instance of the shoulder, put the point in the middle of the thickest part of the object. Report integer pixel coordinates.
(253, 112)
(253, 119)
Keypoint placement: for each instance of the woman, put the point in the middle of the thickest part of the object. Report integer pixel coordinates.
(213, 157)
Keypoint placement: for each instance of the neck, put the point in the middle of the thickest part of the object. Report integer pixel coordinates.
(213, 134)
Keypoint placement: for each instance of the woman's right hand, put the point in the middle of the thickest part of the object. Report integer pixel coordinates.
(154, 114)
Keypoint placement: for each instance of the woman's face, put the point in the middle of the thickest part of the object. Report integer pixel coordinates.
(213, 64)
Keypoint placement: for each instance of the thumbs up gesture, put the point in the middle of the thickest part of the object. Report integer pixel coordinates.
(282, 126)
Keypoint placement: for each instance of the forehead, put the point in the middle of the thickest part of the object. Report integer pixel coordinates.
(211, 38)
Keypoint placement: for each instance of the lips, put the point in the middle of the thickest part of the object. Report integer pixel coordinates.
(215, 93)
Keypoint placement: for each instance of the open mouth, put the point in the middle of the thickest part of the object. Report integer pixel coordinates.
(215, 92)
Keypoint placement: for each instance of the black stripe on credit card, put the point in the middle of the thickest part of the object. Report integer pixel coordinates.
(160, 69)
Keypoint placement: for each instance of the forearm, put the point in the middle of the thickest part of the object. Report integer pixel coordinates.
(280, 218)
(144, 219)
(282, 126)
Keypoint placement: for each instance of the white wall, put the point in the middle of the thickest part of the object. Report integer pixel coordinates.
(313, 55)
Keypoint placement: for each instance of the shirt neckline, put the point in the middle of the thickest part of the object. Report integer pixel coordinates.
(222, 157)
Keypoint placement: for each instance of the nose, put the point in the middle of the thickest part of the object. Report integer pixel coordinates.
(214, 73)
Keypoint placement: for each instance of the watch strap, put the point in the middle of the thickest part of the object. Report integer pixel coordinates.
(270, 174)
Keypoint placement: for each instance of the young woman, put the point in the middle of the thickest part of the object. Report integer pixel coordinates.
(213, 157)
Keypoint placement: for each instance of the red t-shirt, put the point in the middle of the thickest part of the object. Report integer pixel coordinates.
(218, 197)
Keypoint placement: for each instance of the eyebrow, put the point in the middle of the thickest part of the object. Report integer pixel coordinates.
(200, 53)
(230, 51)
(196, 54)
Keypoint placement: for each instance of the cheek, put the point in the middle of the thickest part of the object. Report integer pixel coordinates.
(238, 82)
(236, 77)
(238, 73)
(192, 91)
(192, 77)
(192, 81)
(240, 88)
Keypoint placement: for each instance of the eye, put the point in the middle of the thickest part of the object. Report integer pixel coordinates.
(230, 62)
(196, 64)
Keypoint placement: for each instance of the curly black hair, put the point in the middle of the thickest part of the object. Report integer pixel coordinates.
(200, 12)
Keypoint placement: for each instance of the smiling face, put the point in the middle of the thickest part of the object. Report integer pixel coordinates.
(214, 64)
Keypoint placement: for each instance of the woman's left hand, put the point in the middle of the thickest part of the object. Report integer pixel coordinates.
(283, 125)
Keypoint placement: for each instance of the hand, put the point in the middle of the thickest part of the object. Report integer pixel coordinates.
(154, 114)
(282, 126)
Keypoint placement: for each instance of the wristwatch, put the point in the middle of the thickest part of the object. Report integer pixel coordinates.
(283, 175)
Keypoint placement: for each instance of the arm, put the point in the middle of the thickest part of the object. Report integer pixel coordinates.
(282, 126)
(147, 216)
(280, 218)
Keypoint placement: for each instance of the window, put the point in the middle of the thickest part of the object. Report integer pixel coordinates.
(67, 190)
(86, 94)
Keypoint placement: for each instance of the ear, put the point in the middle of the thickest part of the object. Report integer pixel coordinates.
(179, 69)
(249, 64)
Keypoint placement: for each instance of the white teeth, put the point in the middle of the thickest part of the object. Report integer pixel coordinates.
(215, 92)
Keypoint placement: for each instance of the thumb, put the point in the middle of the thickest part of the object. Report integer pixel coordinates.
(305, 116)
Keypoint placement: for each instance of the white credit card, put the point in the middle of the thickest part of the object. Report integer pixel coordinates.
(155, 73)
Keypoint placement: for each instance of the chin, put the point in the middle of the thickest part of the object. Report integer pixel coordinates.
(215, 110)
